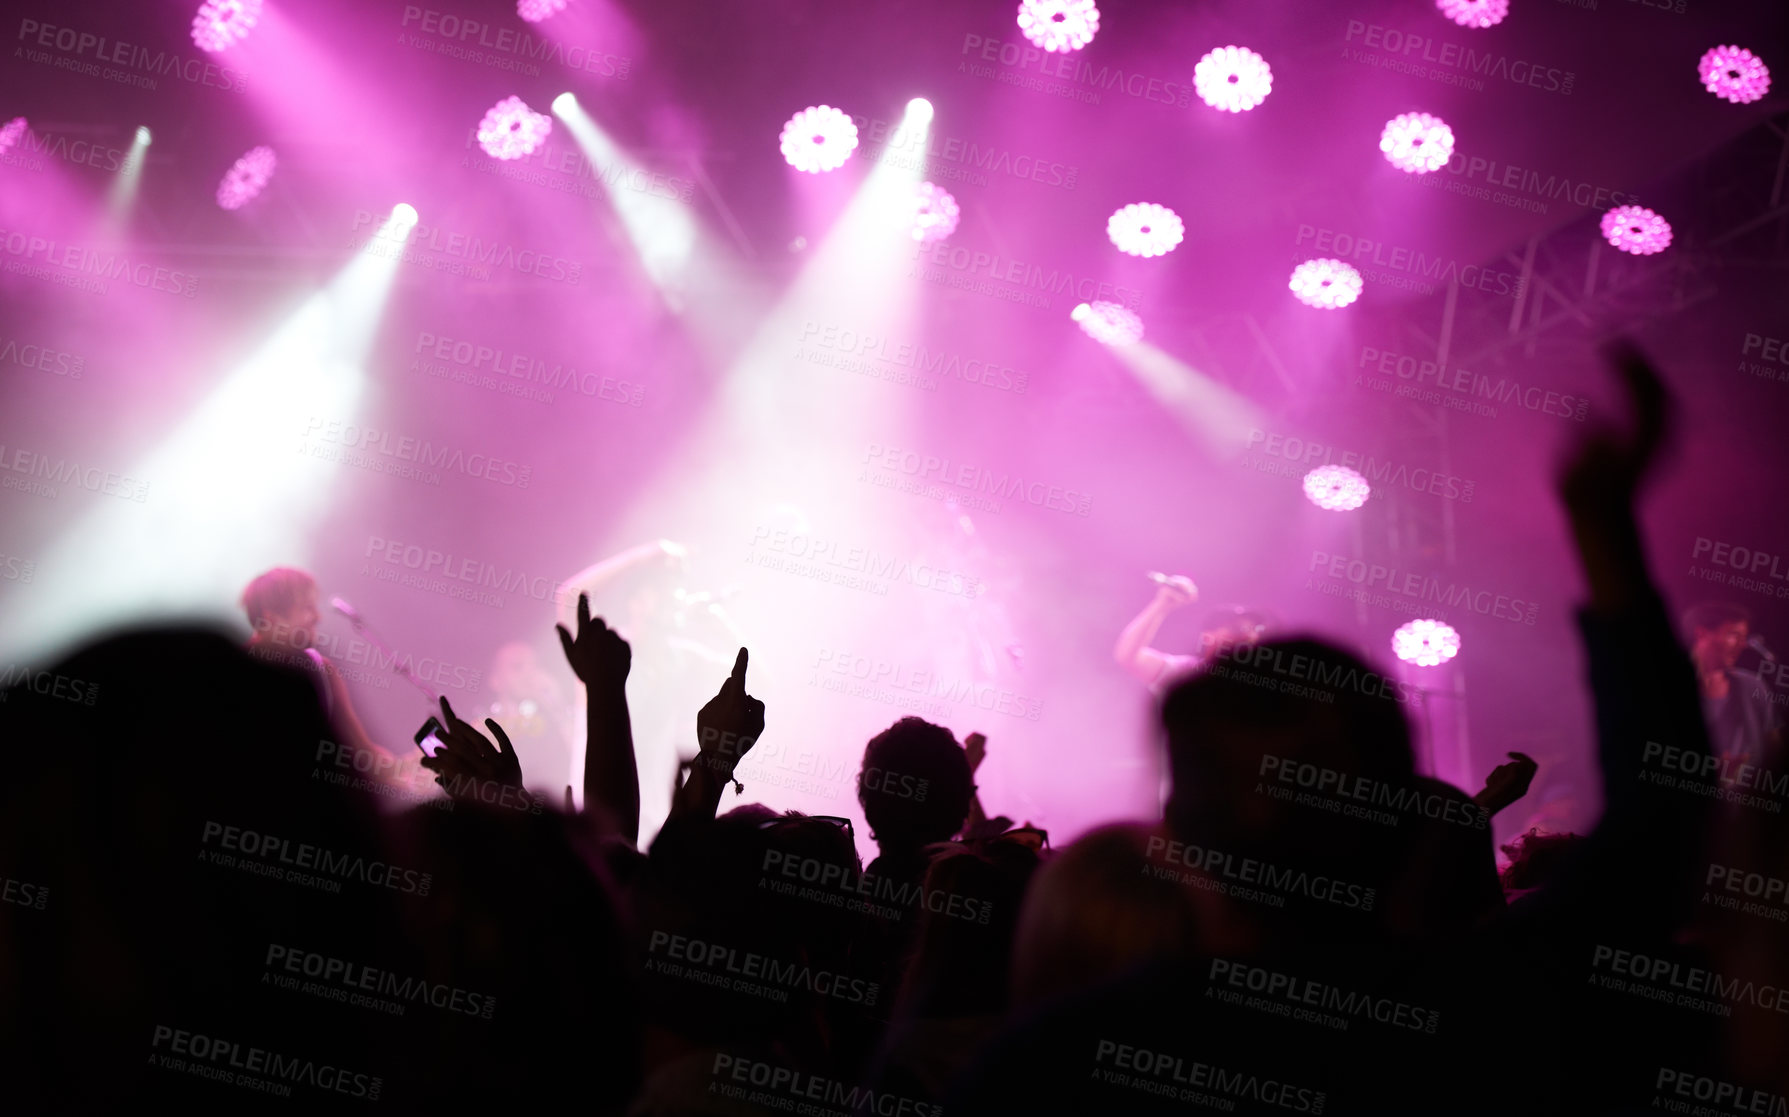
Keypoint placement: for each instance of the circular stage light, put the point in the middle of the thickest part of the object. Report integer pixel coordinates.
(1326, 284)
(536, 10)
(512, 130)
(404, 214)
(1425, 643)
(1636, 229)
(819, 139)
(1108, 323)
(1336, 488)
(1474, 13)
(221, 23)
(935, 213)
(1416, 142)
(246, 178)
(1735, 74)
(1144, 229)
(1059, 25)
(919, 109)
(1234, 79)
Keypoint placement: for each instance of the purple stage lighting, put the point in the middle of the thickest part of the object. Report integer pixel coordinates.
(1417, 142)
(1425, 643)
(1636, 229)
(819, 139)
(10, 133)
(1144, 229)
(1474, 13)
(935, 212)
(536, 10)
(1062, 25)
(1326, 284)
(1108, 323)
(512, 130)
(1735, 73)
(246, 177)
(221, 23)
(1234, 79)
(1336, 488)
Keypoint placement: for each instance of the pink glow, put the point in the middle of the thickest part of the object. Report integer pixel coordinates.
(935, 213)
(221, 23)
(1636, 229)
(1425, 643)
(1059, 25)
(819, 139)
(1326, 284)
(1417, 142)
(1735, 74)
(246, 178)
(1234, 79)
(512, 130)
(1474, 13)
(1145, 229)
(10, 133)
(1336, 488)
(1109, 323)
(536, 10)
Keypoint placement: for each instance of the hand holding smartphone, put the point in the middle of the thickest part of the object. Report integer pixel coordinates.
(431, 737)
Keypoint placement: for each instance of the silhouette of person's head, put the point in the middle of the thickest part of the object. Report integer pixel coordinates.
(915, 785)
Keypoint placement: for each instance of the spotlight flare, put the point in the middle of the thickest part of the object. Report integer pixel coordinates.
(1735, 74)
(222, 23)
(819, 139)
(246, 178)
(1109, 323)
(1327, 284)
(1059, 25)
(1234, 79)
(935, 213)
(1425, 643)
(1636, 229)
(1336, 488)
(512, 130)
(536, 10)
(1417, 143)
(1474, 13)
(1145, 229)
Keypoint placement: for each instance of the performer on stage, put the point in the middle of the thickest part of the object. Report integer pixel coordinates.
(1743, 724)
(1226, 627)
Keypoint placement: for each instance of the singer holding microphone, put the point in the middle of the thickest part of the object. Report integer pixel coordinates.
(1743, 725)
(1229, 626)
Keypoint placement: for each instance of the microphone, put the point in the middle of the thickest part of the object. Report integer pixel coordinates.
(341, 606)
(1158, 577)
(1756, 643)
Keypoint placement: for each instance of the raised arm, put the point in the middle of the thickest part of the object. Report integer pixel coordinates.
(1132, 651)
(601, 659)
(726, 729)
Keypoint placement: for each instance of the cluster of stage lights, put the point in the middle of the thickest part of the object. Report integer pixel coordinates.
(1735, 74)
(1636, 229)
(536, 10)
(1327, 284)
(818, 139)
(512, 130)
(1426, 643)
(1144, 229)
(1234, 79)
(220, 24)
(1474, 13)
(935, 213)
(1059, 25)
(1336, 488)
(246, 178)
(1417, 143)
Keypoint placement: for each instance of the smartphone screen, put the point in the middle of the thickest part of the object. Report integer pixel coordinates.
(428, 738)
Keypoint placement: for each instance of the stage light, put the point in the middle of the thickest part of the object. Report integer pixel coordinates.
(1735, 74)
(536, 10)
(1425, 643)
(11, 133)
(123, 193)
(1234, 79)
(1474, 13)
(246, 178)
(1416, 142)
(1144, 229)
(1108, 323)
(403, 215)
(919, 110)
(935, 213)
(221, 23)
(1336, 488)
(512, 130)
(1636, 229)
(564, 103)
(143, 135)
(1326, 284)
(1059, 25)
(662, 230)
(818, 139)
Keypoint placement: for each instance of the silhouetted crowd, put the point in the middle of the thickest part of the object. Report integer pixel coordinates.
(215, 900)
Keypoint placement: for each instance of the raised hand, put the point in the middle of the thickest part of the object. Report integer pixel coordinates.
(731, 723)
(1177, 591)
(1609, 461)
(468, 766)
(975, 750)
(598, 655)
(1507, 783)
